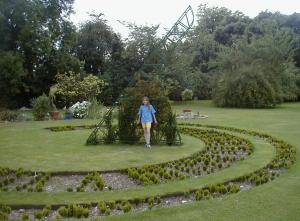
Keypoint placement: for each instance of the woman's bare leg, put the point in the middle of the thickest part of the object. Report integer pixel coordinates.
(147, 135)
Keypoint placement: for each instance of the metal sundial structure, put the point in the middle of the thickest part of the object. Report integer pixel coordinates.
(168, 42)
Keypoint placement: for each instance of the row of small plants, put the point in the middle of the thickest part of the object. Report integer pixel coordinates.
(37, 181)
(8, 177)
(69, 127)
(221, 151)
(95, 179)
(285, 152)
(285, 157)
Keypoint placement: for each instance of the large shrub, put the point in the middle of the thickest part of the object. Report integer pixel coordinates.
(71, 88)
(170, 129)
(129, 130)
(127, 118)
(40, 107)
(259, 74)
(248, 88)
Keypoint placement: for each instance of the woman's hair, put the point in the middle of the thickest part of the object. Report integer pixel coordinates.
(147, 98)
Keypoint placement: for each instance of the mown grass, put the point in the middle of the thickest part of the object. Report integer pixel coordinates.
(30, 146)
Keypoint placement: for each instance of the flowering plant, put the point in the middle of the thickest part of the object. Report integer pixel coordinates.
(79, 110)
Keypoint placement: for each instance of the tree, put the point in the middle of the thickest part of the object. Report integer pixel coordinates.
(11, 78)
(36, 32)
(142, 40)
(96, 41)
(270, 74)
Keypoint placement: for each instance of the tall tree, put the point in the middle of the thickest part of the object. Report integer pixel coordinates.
(36, 32)
(96, 44)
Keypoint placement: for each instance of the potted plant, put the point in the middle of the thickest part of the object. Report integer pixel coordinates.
(54, 113)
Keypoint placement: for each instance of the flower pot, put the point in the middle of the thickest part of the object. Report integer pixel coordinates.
(68, 116)
(54, 115)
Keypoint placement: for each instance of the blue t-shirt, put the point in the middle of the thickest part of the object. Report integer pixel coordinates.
(146, 113)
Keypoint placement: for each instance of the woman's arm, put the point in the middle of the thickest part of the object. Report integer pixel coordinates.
(139, 114)
(153, 114)
(155, 121)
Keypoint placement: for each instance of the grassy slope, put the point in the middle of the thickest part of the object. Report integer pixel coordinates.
(32, 147)
(278, 200)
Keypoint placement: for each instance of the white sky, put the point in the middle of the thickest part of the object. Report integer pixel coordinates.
(166, 12)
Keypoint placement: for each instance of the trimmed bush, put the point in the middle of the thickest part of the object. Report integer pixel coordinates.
(187, 95)
(38, 215)
(70, 189)
(126, 207)
(25, 216)
(40, 107)
(63, 211)
(102, 207)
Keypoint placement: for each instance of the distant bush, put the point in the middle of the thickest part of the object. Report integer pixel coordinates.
(80, 109)
(40, 107)
(8, 115)
(248, 88)
(170, 130)
(38, 215)
(187, 95)
(25, 216)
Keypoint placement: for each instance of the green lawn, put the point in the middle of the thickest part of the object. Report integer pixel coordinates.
(277, 200)
(32, 147)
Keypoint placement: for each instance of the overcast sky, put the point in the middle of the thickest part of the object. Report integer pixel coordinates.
(166, 12)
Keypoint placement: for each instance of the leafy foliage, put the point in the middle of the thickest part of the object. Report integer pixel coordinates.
(8, 115)
(260, 74)
(40, 107)
(110, 133)
(187, 95)
(95, 110)
(170, 129)
(71, 88)
(38, 43)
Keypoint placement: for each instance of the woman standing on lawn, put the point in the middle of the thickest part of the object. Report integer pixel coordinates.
(146, 117)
